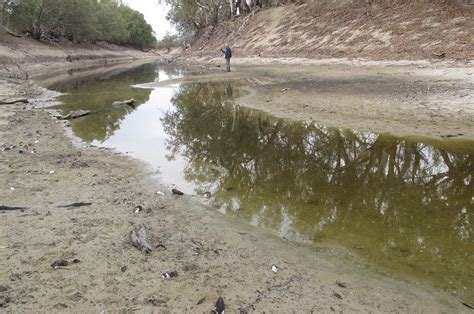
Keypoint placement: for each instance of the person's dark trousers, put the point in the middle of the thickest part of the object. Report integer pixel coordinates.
(227, 64)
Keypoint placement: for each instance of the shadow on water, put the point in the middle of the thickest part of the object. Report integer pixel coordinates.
(404, 205)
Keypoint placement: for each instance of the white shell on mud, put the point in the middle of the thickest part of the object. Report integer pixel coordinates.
(274, 268)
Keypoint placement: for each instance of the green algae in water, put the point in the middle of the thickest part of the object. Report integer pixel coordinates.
(405, 205)
(402, 204)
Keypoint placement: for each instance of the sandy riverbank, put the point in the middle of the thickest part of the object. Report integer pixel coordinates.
(212, 254)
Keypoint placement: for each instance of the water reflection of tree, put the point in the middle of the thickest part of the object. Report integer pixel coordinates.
(98, 94)
(407, 204)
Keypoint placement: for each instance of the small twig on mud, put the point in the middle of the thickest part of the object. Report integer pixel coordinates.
(11, 290)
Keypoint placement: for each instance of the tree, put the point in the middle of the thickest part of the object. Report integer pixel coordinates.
(83, 20)
(191, 16)
(194, 15)
(141, 33)
(34, 16)
(168, 41)
(80, 19)
(113, 24)
(3, 7)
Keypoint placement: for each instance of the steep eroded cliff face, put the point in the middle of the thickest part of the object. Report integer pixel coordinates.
(349, 29)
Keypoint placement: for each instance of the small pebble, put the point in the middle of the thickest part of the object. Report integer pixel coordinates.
(177, 192)
(59, 264)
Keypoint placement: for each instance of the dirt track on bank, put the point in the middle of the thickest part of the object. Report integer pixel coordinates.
(212, 254)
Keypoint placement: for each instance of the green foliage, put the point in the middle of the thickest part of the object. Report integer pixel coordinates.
(33, 16)
(169, 41)
(79, 20)
(192, 16)
(113, 23)
(183, 14)
(141, 33)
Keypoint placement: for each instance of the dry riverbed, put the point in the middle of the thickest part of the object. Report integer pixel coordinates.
(418, 98)
(43, 169)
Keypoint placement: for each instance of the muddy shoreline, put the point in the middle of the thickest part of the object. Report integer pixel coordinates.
(213, 254)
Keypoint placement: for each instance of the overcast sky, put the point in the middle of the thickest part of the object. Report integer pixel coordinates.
(155, 15)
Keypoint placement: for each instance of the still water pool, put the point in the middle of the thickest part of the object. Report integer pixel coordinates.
(404, 205)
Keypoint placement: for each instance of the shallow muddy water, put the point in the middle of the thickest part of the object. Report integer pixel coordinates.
(404, 205)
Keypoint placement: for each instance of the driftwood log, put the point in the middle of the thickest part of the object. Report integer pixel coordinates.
(11, 208)
(139, 239)
(8, 31)
(74, 115)
(122, 103)
(13, 101)
(177, 192)
(73, 204)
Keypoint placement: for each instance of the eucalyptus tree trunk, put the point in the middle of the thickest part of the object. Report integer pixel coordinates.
(239, 7)
(246, 7)
(232, 8)
(38, 23)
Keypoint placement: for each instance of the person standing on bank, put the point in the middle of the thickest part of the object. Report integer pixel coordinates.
(227, 55)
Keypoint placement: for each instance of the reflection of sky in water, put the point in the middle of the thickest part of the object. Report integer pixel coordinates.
(141, 135)
(160, 77)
